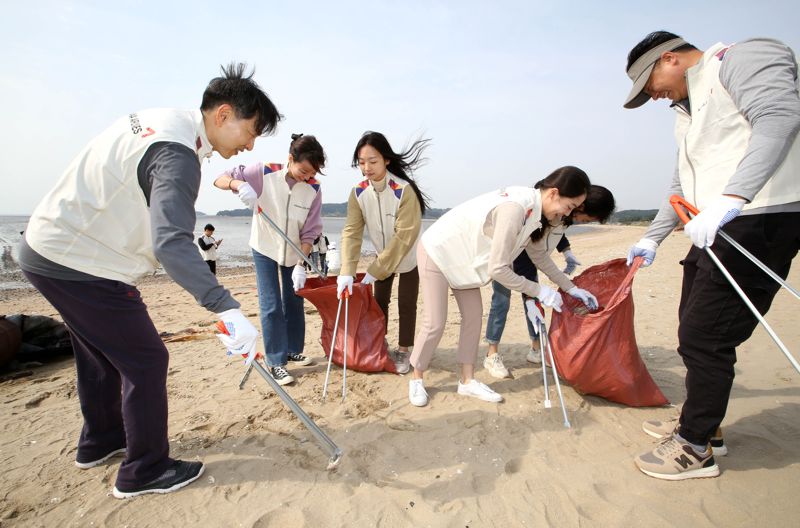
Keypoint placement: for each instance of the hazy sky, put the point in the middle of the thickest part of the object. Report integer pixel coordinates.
(507, 91)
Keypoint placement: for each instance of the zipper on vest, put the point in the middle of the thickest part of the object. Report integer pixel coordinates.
(686, 143)
(380, 216)
(286, 227)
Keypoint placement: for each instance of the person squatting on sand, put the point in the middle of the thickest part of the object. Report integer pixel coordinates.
(124, 205)
(597, 207)
(292, 198)
(390, 204)
(476, 242)
(737, 118)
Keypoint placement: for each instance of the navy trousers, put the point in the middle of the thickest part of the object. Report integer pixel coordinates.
(122, 373)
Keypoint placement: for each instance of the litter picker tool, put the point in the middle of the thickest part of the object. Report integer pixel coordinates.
(681, 206)
(292, 244)
(346, 297)
(546, 351)
(334, 453)
(300, 253)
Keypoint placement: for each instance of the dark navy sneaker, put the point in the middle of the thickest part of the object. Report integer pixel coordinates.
(181, 473)
(84, 463)
(281, 375)
(299, 359)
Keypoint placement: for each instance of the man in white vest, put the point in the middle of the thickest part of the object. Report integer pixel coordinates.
(738, 115)
(124, 205)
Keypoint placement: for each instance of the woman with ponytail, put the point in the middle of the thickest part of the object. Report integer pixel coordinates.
(390, 204)
(474, 243)
(292, 199)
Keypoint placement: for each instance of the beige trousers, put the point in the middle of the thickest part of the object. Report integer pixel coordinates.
(435, 289)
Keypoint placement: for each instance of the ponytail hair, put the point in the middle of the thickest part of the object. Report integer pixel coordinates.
(401, 164)
(307, 148)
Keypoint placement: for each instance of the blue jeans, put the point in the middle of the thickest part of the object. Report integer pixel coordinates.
(498, 312)
(283, 323)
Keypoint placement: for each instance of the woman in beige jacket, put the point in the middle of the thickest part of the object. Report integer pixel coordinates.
(390, 204)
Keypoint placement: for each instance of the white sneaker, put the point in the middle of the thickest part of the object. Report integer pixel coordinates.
(534, 356)
(476, 389)
(494, 364)
(416, 393)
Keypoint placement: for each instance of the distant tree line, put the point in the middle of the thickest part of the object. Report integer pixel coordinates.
(329, 210)
(629, 216)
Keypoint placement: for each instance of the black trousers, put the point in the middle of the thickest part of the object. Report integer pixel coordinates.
(212, 265)
(407, 295)
(122, 373)
(713, 319)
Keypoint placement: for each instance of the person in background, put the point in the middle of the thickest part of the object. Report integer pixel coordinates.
(390, 204)
(323, 253)
(124, 205)
(737, 120)
(597, 207)
(291, 197)
(208, 247)
(315, 253)
(474, 243)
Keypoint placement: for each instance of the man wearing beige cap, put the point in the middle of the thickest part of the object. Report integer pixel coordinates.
(738, 116)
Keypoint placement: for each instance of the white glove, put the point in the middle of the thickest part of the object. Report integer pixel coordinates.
(239, 336)
(550, 297)
(342, 282)
(585, 297)
(247, 195)
(368, 279)
(645, 248)
(571, 261)
(703, 228)
(534, 314)
(299, 277)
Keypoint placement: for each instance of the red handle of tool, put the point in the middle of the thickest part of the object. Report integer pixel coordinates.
(680, 205)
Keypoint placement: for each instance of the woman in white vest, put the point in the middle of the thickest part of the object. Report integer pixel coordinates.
(390, 204)
(292, 199)
(477, 242)
(597, 207)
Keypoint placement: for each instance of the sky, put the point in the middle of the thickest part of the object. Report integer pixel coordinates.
(506, 91)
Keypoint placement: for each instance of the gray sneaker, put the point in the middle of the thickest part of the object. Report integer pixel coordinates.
(402, 361)
(663, 429)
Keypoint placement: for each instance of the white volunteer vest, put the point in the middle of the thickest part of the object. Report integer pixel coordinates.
(713, 140)
(379, 210)
(288, 208)
(458, 245)
(210, 253)
(96, 219)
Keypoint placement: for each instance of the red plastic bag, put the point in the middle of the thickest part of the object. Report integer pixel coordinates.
(366, 344)
(597, 352)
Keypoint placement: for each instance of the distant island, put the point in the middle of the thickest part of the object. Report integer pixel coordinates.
(339, 210)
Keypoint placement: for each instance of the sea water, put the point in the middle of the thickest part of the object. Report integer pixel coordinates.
(233, 252)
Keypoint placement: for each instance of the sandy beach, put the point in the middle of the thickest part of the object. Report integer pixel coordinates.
(458, 462)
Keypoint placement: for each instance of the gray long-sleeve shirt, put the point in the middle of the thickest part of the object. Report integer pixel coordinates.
(761, 77)
(169, 175)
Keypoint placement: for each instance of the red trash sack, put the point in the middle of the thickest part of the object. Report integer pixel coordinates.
(597, 352)
(366, 343)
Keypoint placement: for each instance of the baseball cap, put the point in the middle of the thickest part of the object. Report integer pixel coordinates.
(640, 71)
